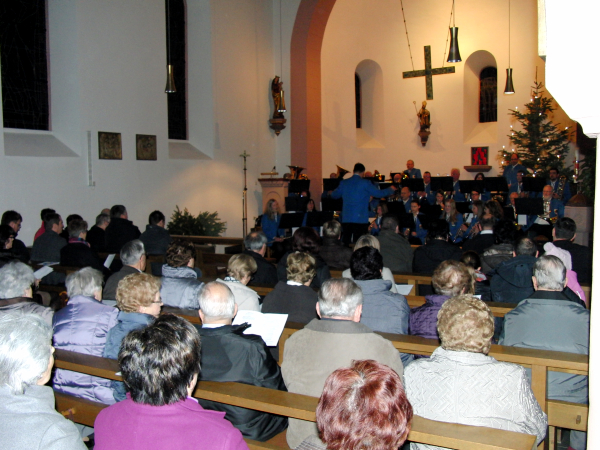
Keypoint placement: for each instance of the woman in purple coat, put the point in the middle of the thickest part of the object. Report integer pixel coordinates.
(450, 278)
(160, 365)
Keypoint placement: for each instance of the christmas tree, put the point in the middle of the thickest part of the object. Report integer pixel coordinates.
(540, 144)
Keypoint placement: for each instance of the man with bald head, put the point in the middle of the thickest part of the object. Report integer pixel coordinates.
(223, 343)
(405, 199)
(553, 209)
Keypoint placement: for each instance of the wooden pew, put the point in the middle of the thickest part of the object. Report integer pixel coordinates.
(560, 414)
(213, 240)
(284, 403)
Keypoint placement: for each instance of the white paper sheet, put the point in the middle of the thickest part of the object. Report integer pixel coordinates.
(267, 326)
(109, 260)
(42, 272)
(404, 289)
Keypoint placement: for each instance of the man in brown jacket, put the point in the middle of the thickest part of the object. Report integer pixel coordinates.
(325, 345)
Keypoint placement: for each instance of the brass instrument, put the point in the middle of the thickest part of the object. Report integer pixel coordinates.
(378, 175)
(560, 191)
(341, 172)
(294, 172)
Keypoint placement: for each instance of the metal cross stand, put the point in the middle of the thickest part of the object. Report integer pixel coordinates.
(244, 198)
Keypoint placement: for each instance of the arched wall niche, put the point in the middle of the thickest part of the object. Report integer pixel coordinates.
(475, 132)
(371, 135)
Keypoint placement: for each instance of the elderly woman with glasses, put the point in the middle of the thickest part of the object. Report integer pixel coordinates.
(461, 384)
(138, 298)
(28, 419)
(160, 365)
(82, 326)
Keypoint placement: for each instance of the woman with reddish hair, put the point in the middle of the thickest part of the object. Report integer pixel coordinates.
(362, 406)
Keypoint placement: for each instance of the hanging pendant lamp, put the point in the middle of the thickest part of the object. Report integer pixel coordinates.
(170, 87)
(509, 88)
(454, 53)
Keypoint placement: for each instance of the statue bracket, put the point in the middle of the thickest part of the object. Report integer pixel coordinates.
(424, 135)
(277, 125)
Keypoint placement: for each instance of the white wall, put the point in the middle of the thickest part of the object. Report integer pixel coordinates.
(357, 30)
(107, 65)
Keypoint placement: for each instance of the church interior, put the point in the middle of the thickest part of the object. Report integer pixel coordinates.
(107, 69)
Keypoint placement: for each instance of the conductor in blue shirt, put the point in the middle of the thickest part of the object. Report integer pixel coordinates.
(411, 171)
(355, 192)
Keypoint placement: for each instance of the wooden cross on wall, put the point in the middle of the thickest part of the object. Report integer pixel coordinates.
(428, 73)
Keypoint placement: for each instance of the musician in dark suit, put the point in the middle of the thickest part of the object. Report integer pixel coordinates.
(556, 183)
(427, 195)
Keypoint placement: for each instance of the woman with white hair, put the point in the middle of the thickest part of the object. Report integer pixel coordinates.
(82, 326)
(28, 419)
(461, 384)
(16, 281)
(239, 273)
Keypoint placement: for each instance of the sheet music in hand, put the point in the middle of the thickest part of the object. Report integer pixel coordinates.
(267, 326)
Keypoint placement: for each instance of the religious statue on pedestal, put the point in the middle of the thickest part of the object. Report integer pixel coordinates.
(277, 123)
(424, 123)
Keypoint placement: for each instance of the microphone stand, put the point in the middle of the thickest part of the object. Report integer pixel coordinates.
(244, 198)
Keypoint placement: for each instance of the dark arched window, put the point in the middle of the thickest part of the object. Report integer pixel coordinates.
(24, 65)
(358, 101)
(176, 50)
(488, 95)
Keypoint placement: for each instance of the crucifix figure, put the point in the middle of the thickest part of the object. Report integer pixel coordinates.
(428, 73)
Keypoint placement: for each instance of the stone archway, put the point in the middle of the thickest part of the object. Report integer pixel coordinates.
(305, 85)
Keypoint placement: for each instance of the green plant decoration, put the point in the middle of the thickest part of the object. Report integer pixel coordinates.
(205, 224)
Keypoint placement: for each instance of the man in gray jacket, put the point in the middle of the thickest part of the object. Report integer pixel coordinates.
(548, 320)
(325, 345)
(395, 248)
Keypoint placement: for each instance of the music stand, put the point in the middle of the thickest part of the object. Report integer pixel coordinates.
(495, 184)
(318, 218)
(463, 207)
(291, 220)
(330, 204)
(432, 212)
(396, 209)
(533, 184)
(296, 203)
(297, 186)
(330, 184)
(468, 186)
(509, 213)
(529, 206)
(414, 184)
(443, 183)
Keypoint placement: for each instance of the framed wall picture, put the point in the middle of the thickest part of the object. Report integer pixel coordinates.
(145, 145)
(479, 156)
(109, 145)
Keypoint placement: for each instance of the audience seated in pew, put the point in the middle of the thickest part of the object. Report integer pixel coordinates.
(223, 343)
(437, 248)
(28, 419)
(307, 240)
(505, 235)
(511, 279)
(565, 257)
(96, 236)
(239, 272)
(65, 231)
(367, 240)
(133, 257)
(256, 246)
(549, 320)
(156, 238)
(564, 232)
(7, 237)
(472, 260)
(484, 239)
(42, 228)
(139, 303)
(16, 281)
(120, 230)
(180, 284)
(382, 310)
(160, 364)
(461, 384)
(450, 278)
(47, 247)
(395, 248)
(335, 254)
(82, 326)
(325, 345)
(77, 252)
(363, 406)
(14, 220)
(295, 297)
